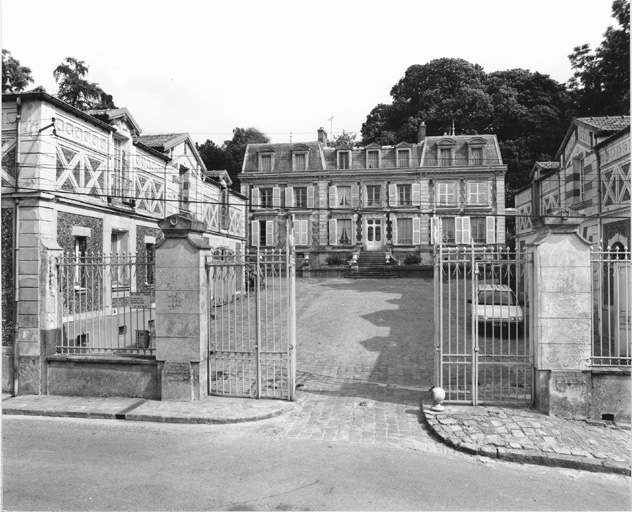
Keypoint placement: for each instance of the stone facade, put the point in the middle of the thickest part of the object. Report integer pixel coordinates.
(376, 198)
(89, 182)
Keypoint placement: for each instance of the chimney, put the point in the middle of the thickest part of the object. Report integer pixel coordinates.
(421, 133)
(322, 136)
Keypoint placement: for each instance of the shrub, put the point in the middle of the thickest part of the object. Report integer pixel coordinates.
(335, 260)
(412, 259)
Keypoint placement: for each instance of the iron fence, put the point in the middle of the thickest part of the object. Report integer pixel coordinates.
(612, 306)
(252, 325)
(106, 304)
(483, 325)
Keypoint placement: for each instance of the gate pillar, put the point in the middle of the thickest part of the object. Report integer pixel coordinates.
(181, 309)
(562, 319)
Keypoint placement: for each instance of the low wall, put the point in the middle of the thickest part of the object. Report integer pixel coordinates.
(609, 394)
(396, 271)
(71, 375)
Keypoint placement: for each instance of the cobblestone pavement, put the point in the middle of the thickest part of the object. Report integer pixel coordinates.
(364, 361)
(524, 435)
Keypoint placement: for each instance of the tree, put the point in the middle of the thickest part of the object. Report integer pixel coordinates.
(530, 117)
(15, 77)
(230, 156)
(527, 111)
(437, 93)
(345, 139)
(601, 80)
(76, 90)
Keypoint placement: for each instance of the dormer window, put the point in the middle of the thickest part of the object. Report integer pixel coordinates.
(445, 152)
(266, 159)
(300, 155)
(373, 157)
(476, 151)
(403, 158)
(344, 159)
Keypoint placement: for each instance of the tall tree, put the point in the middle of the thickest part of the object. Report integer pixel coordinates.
(437, 93)
(230, 156)
(527, 111)
(76, 90)
(15, 77)
(530, 116)
(601, 80)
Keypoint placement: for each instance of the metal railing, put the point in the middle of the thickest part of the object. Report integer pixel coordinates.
(483, 327)
(106, 304)
(252, 334)
(612, 306)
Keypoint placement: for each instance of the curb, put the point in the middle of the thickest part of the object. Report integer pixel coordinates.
(131, 413)
(526, 456)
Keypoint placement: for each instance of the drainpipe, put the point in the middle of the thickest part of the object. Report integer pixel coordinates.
(16, 249)
(599, 192)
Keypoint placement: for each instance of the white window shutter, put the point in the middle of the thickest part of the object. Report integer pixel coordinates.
(491, 230)
(458, 230)
(333, 196)
(333, 231)
(433, 227)
(392, 195)
(310, 196)
(472, 188)
(269, 233)
(276, 197)
(466, 230)
(416, 230)
(255, 198)
(254, 232)
(394, 228)
(289, 197)
(355, 196)
(302, 232)
(416, 194)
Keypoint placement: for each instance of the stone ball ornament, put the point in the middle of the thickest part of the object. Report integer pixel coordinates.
(438, 396)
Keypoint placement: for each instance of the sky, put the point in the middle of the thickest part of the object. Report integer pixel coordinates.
(285, 67)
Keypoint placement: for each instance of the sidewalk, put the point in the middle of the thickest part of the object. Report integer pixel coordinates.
(210, 410)
(526, 436)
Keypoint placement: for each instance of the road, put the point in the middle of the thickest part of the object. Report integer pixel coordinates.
(75, 464)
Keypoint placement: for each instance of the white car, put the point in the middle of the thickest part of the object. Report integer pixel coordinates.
(495, 305)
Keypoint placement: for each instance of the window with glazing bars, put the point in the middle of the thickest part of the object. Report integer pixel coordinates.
(405, 231)
(373, 159)
(373, 195)
(403, 158)
(299, 161)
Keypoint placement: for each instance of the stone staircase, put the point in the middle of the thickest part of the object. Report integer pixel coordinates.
(371, 264)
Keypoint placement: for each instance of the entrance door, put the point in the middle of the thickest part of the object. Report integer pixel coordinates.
(373, 234)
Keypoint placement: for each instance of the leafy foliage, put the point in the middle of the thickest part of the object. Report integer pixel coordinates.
(601, 81)
(15, 77)
(527, 111)
(344, 140)
(412, 259)
(230, 155)
(76, 90)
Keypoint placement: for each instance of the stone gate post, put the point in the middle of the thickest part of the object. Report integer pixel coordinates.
(181, 309)
(562, 319)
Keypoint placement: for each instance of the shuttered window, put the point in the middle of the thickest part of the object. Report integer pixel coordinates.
(446, 193)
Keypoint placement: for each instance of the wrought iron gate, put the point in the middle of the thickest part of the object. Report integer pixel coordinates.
(252, 334)
(483, 349)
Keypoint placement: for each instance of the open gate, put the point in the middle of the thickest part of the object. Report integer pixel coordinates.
(252, 334)
(483, 325)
